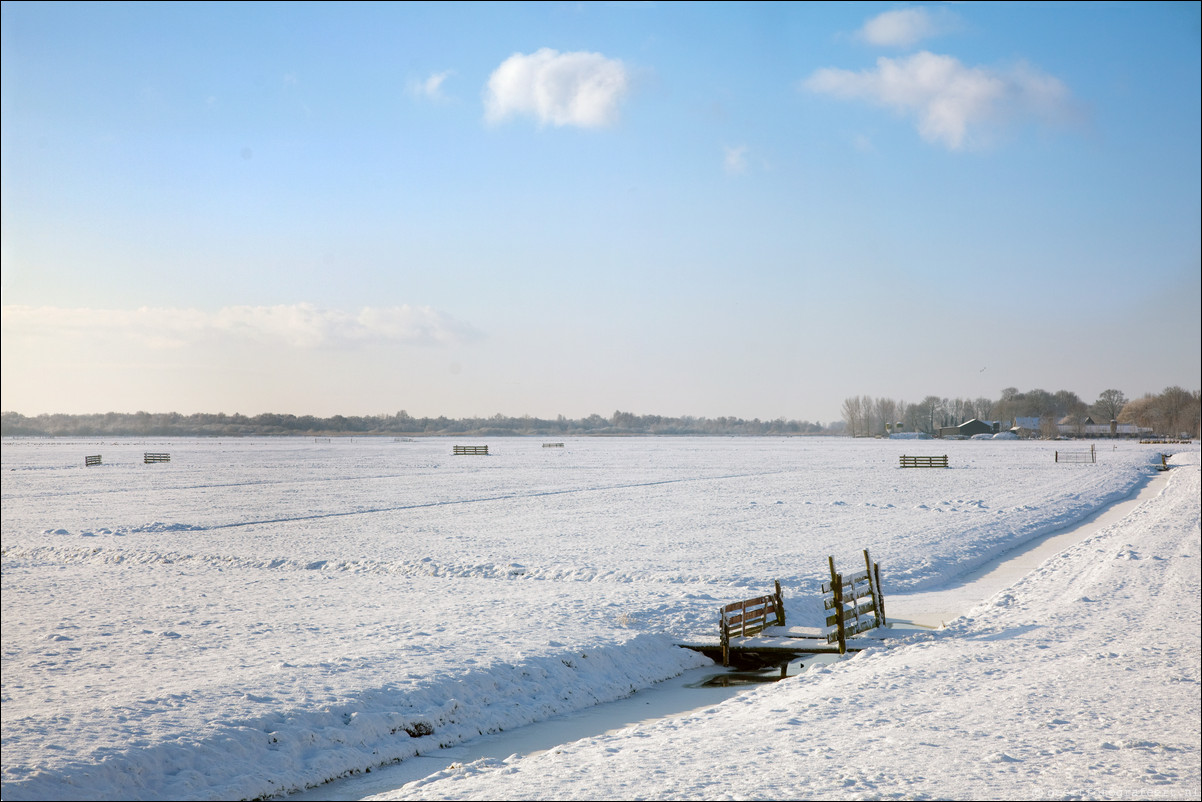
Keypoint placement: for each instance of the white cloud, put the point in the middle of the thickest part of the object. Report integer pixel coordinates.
(953, 104)
(906, 27)
(735, 160)
(582, 89)
(301, 326)
(431, 87)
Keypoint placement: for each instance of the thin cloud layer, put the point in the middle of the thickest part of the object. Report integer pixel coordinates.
(431, 87)
(735, 160)
(581, 89)
(905, 27)
(297, 326)
(953, 104)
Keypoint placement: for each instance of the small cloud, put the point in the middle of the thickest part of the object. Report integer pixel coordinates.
(907, 27)
(430, 88)
(581, 89)
(953, 104)
(735, 160)
(301, 326)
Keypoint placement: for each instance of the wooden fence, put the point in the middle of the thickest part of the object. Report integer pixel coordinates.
(923, 462)
(845, 595)
(552, 445)
(1077, 456)
(749, 617)
(470, 450)
(150, 456)
(92, 460)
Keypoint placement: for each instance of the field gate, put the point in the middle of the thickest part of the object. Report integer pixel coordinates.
(843, 596)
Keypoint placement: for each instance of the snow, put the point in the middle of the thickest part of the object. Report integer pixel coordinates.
(264, 615)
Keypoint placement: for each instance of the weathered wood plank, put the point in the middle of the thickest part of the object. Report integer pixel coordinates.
(739, 605)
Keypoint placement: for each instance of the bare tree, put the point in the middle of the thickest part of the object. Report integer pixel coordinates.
(985, 409)
(1177, 411)
(853, 414)
(1109, 404)
(867, 416)
(1140, 411)
(886, 412)
(1069, 403)
(929, 413)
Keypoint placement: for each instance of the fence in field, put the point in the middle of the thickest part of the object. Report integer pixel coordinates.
(152, 456)
(470, 450)
(742, 619)
(753, 631)
(845, 596)
(552, 445)
(923, 462)
(1077, 456)
(92, 460)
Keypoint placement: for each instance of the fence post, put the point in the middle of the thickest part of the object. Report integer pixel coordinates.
(837, 584)
(724, 625)
(837, 591)
(780, 604)
(873, 589)
(880, 597)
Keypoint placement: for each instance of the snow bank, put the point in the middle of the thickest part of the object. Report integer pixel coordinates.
(294, 749)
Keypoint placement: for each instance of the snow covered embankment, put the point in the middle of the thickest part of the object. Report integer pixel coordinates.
(296, 749)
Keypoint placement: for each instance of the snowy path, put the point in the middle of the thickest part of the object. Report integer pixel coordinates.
(938, 607)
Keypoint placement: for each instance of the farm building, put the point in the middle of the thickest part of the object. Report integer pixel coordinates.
(970, 428)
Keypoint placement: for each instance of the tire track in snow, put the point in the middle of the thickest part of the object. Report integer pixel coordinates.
(487, 499)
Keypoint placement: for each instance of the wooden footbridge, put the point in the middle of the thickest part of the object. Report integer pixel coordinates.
(753, 633)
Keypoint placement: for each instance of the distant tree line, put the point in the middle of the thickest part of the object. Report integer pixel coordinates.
(1175, 412)
(173, 424)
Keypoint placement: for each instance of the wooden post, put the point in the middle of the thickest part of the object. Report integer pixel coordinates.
(880, 597)
(837, 591)
(780, 605)
(724, 626)
(873, 590)
(837, 587)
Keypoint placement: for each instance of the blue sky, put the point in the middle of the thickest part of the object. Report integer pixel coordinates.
(676, 209)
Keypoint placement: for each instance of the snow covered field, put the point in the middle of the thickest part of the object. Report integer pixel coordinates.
(262, 615)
